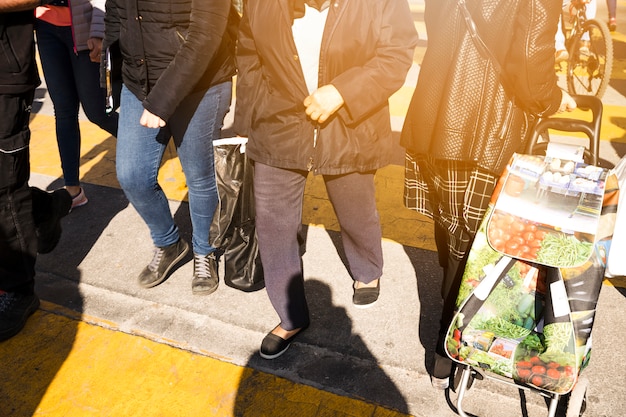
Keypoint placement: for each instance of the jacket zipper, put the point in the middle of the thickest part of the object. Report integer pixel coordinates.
(316, 133)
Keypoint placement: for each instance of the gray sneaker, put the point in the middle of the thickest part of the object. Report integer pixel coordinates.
(205, 278)
(163, 261)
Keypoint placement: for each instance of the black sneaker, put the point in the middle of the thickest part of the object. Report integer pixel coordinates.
(15, 309)
(205, 278)
(163, 261)
(49, 231)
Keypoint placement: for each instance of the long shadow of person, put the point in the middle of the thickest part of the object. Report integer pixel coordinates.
(329, 356)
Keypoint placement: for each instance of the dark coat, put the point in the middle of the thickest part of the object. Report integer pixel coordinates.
(453, 104)
(367, 49)
(18, 68)
(171, 48)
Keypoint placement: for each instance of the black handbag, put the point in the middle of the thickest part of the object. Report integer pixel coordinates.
(233, 229)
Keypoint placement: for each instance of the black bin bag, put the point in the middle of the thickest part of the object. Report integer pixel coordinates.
(233, 229)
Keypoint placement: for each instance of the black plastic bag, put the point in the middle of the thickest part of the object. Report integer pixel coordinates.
(233, 229)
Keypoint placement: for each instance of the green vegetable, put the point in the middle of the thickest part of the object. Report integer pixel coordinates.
(558, 249)
(557, 336)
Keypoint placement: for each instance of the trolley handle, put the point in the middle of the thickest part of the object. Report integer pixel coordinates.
(590, 128)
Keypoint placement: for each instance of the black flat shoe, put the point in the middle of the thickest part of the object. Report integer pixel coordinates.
(273, 346)
(366, 296)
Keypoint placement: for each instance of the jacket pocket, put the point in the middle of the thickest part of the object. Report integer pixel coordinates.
(9, 58)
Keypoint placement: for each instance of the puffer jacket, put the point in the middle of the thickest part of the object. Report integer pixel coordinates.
(171, 48)
(453, 100)
(87, 21)
(18, 68)
(366, 52)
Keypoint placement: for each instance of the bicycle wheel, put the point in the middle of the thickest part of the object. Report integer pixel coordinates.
(590, 60)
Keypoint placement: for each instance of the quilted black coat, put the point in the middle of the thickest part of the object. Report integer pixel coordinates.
(171, 48)
(452, 112)
(366, 52)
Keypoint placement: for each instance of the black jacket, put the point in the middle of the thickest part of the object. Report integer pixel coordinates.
(451, 112)
(18, 68)
(366, 52)
(171, 48)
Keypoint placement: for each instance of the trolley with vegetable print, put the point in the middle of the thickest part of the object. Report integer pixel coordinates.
(529, 292)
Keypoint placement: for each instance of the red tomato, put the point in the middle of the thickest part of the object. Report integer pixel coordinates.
(537, 381)
(540, 234)
(524, 364)
(523, 373)
(518, 239)
(538, 369)
(536, 243)
(531, 227)
(518, 227)
(524, 249)
(553, 365)
(535, 360)
(511, 246)
(553, 373)
(528, 236)
(497, 244)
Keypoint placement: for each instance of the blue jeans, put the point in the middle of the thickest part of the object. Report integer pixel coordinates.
(72, 80)
(193, 126)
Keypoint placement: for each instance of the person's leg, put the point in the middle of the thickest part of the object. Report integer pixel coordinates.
(92, 97)
(195, 124)
(139, 153)
(459, 196)
(55, 51)
(138, 158)
(18, 241)
(612, 8)
(354, 200)
(278, 195)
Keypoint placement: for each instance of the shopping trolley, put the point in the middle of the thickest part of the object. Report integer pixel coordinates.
(530, 287)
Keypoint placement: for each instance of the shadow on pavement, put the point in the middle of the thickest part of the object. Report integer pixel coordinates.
(327, 355)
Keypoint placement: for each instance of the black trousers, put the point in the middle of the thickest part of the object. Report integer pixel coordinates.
(21, 207)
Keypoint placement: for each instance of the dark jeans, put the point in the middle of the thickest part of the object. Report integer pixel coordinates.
(18, 242)
(72, 80)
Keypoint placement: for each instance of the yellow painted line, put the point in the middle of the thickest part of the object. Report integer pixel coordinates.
(60, 366)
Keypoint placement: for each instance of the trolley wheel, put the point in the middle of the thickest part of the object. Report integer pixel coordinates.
(590, 60)
(577, 402)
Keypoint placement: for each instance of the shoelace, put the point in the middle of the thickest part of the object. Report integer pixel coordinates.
(6, 301)
(156, 259)
(201, 266)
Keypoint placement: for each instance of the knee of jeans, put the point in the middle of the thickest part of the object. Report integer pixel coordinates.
(133, 179)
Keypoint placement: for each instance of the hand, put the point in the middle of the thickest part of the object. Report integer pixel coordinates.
(151, 120)
(567, 102)
(95, 49)
(324, 101)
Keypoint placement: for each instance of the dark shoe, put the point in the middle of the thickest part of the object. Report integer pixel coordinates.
(612, 24)
(163, 261)
(365, 297)
(205, 278)
(49, 231)
(273, 346)
(15, 309)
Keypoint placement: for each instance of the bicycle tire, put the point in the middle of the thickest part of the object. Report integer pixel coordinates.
(590, 73)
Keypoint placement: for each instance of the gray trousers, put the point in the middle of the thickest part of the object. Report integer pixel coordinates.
(279, 195)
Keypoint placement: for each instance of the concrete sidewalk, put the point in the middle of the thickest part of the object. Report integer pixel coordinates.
(102, 346)
(374, 362)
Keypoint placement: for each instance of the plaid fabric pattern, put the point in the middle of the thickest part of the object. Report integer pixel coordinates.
(455, 194)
